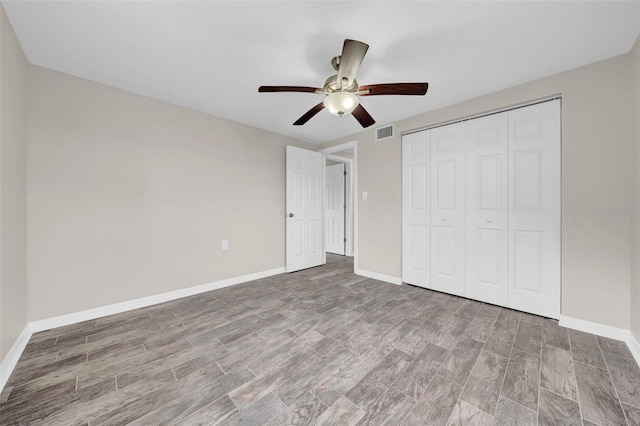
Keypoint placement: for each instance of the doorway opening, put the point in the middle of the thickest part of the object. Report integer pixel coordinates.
(340, 205)
(336, 215)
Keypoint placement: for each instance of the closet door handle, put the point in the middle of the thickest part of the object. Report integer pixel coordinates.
(488, 220)
(444, 219)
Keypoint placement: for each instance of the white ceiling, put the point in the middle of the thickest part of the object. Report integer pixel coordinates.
(212, 56)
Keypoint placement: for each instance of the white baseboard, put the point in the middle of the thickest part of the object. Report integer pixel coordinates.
(380, 277)
(11, 358)
(605, 331)
(594, 328)
(143, 302)
(634, 347)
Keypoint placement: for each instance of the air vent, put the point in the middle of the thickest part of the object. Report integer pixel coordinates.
(385, 132)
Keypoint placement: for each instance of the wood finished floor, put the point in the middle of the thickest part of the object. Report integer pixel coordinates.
(325, 347)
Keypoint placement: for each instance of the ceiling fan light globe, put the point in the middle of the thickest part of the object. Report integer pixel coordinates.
(341, 103)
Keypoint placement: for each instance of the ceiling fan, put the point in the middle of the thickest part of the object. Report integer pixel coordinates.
(342, 90)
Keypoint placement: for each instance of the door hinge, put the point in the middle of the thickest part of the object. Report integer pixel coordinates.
(345, 172)
(345, 240)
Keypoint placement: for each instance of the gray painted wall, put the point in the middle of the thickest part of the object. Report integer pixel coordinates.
(131, 197)
(13, 187)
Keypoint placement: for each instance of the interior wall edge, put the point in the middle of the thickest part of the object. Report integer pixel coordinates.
(13, 187)
(634, 346)
(12, 357)
(635, 196)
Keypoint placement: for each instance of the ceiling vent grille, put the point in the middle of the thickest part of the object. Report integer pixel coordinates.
(385, 132)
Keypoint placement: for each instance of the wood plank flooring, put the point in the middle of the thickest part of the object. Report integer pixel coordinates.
(326, 347)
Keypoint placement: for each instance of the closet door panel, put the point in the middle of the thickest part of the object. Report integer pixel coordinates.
(415, 208)
(534, 209)
(448, 209)
(486, 239)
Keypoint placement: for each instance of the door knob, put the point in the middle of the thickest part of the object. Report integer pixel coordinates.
(488, 220)
(290, 214)
(444, 219)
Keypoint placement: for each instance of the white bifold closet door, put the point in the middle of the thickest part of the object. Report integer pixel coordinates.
(481, 208)
(448, 209)
(534, 209)
(415, 208)
(487, 209)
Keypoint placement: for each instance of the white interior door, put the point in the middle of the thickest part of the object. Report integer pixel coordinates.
(415, 208)
(534, 209)
(304, 208)
(335, 208)
(486, 206)
(448, 208)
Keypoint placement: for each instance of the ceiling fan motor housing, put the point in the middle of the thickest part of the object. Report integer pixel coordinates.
(332, 85)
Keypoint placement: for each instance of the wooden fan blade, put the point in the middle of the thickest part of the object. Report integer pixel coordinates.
(288, 89)
(352, 55)
(417, 89)
(363, 116)
(309, 114)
